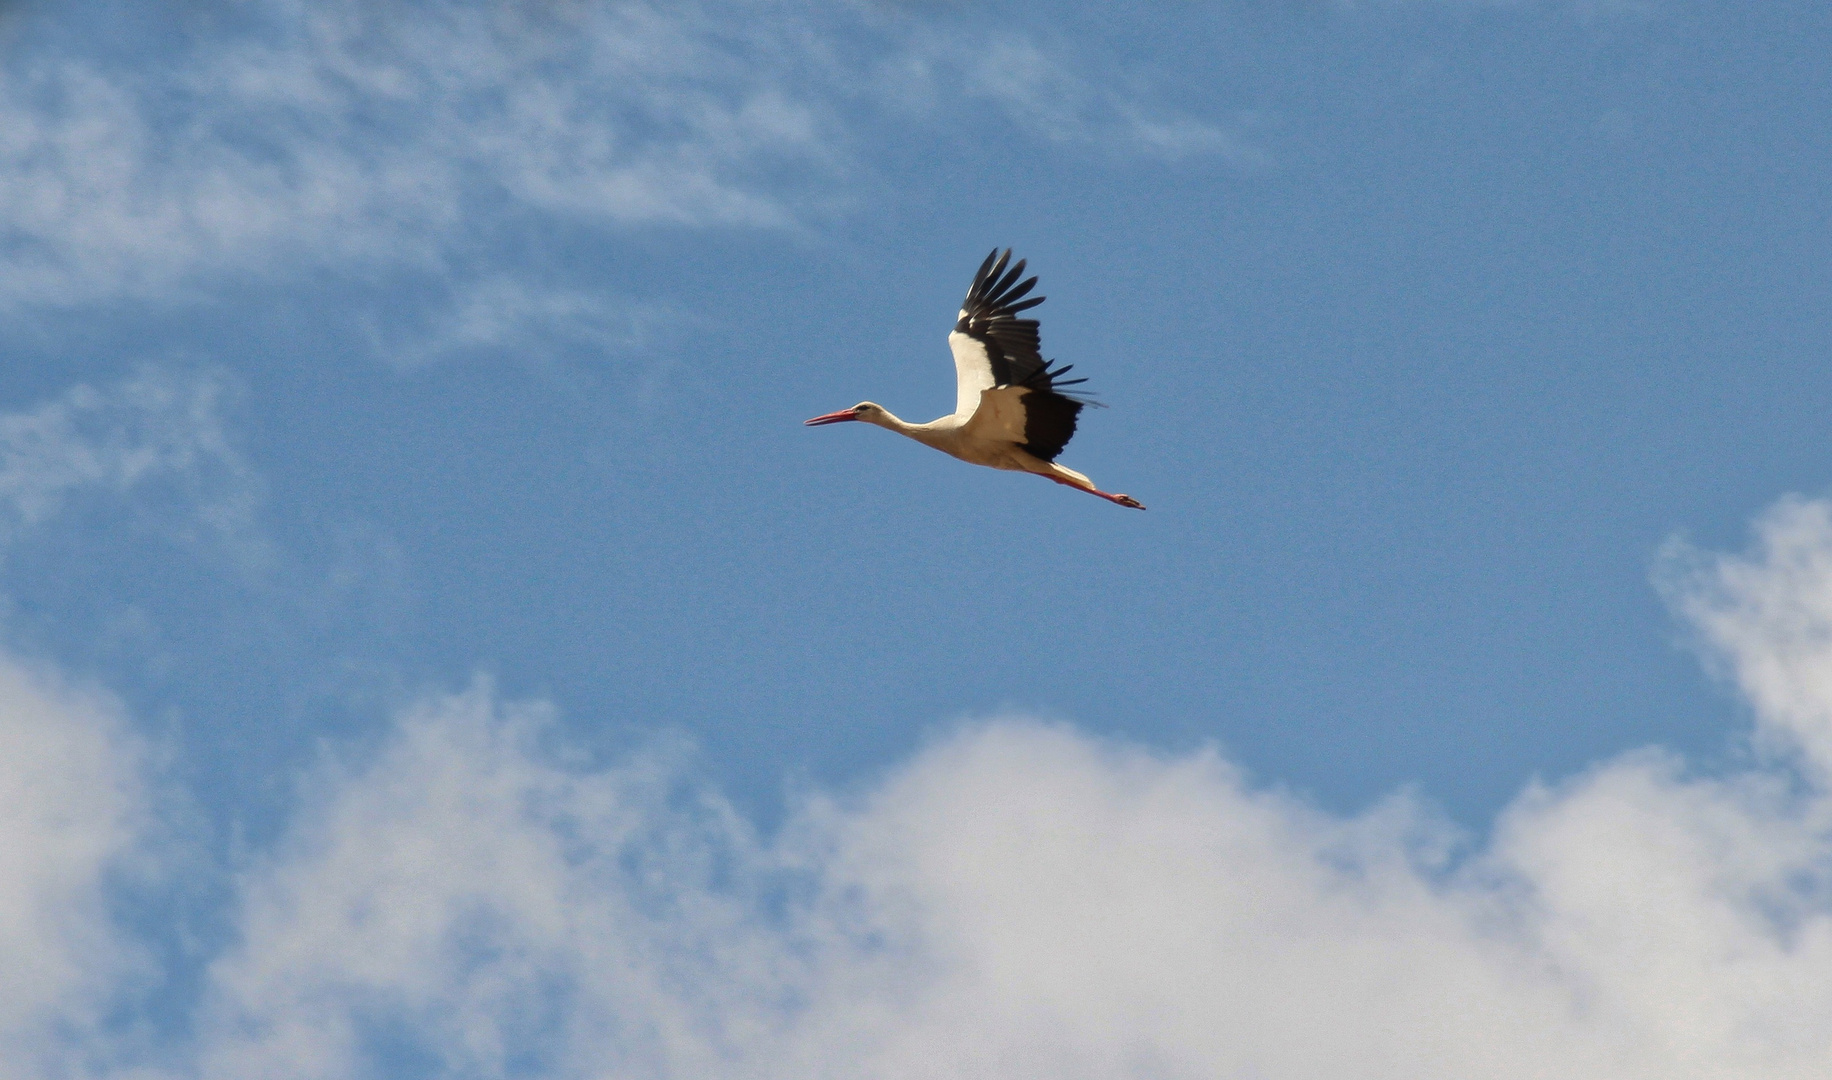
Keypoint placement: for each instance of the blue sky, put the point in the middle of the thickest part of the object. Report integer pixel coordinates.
(439, 649)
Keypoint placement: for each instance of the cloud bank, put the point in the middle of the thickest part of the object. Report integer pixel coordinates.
(473, 898)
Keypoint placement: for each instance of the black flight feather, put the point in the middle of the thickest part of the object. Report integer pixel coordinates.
(1014, 349)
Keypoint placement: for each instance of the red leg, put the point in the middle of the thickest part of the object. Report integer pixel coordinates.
(1123, 500)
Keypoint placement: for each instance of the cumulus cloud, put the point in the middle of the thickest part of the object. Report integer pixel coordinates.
(473, 897)
(1021, 900)
(1767, 617)
(73, 807)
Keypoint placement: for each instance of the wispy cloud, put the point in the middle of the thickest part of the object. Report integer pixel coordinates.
(150, 458)
(1020, 900)
(506, 314)
(1042, 94)
(338, 134)
(154, 430)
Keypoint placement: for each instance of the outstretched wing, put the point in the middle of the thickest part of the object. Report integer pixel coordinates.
(995, 350)
(992, 346)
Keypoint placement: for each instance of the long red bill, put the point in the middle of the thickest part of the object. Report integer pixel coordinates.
(832, 418)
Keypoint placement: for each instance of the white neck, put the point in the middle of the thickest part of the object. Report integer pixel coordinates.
(933, 433)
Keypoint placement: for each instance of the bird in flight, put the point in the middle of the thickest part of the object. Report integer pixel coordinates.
(1011, 412)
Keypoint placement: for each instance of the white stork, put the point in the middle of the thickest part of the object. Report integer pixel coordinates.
(1010, 413)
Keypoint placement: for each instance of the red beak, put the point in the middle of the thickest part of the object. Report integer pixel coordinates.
(832, 418)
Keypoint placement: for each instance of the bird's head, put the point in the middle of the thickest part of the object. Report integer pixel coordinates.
(866, 411)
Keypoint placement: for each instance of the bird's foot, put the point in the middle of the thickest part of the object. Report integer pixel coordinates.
(1123, 500)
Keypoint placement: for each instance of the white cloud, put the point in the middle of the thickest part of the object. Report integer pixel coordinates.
(1767, 616)
(1019, 900)
(72, 804)
(146, 465)
(341, 134)
(504, 314)
(1023, 901)
(468, 896)
(1040, 93)
(153, 429)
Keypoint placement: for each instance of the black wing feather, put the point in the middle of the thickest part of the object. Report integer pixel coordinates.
(989, 315)
(1049, 423)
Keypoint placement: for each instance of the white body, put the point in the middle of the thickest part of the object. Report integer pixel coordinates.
(992, 424)
(987, 424)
